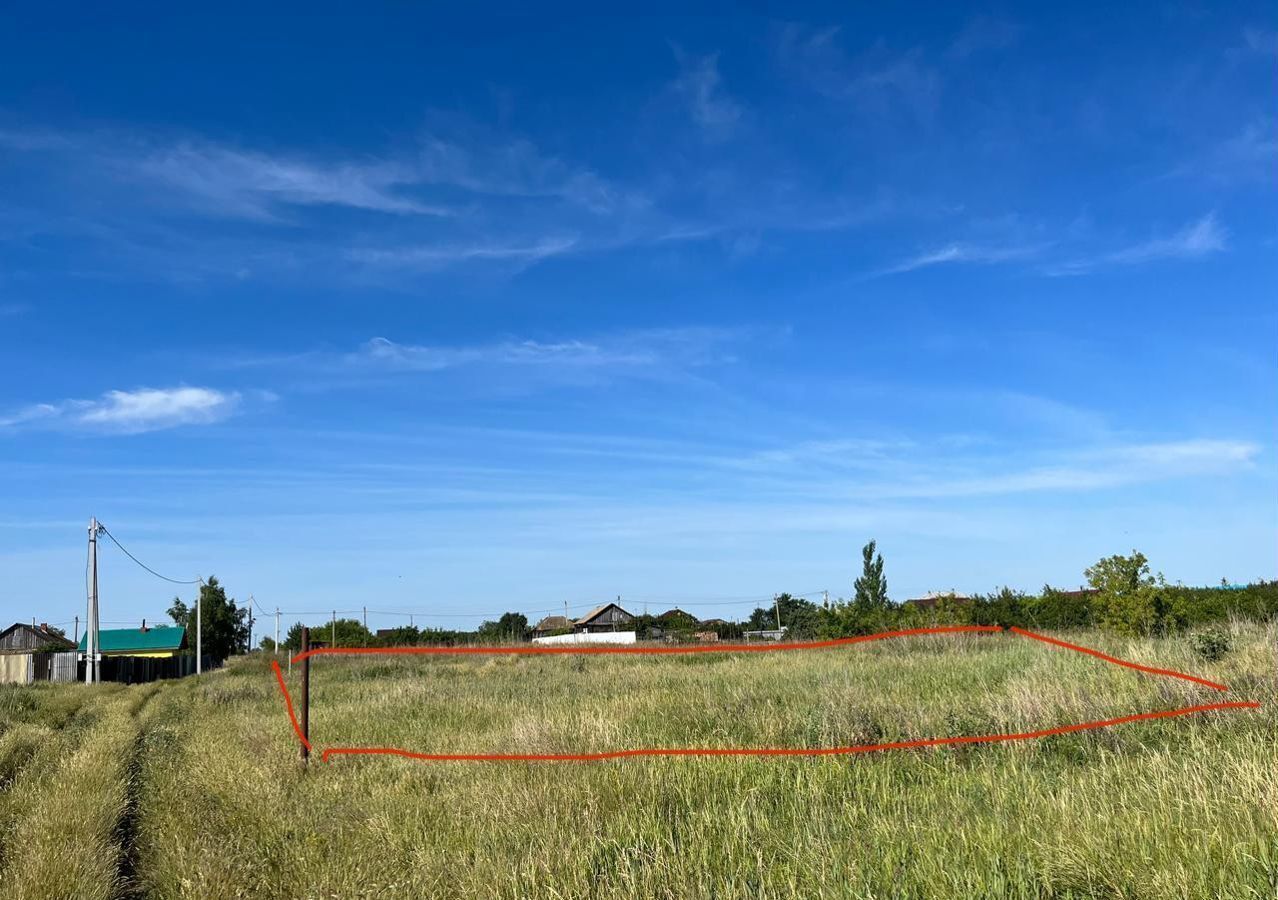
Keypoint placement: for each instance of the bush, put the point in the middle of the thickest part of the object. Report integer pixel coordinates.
(1211, 644)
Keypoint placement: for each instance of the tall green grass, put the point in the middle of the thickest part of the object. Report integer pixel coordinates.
(221, 807)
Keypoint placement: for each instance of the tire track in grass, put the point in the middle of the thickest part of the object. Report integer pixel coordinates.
(125, 833)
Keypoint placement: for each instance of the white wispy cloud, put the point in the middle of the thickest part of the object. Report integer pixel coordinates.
(481, 162)
(131, 412)
(226, 180)
(426, 358)
(254, 184)
(1196, 240)
(937, 469)
(1108, 467)
(649, 348)
(878, 80)
(432, 257)
(964, 253)
(1249, 154)
(700, 85)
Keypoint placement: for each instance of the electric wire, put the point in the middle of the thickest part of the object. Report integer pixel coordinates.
(103, 529)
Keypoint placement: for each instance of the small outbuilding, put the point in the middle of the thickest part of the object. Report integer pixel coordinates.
(30, 653)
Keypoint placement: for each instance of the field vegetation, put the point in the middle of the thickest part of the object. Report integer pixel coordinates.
(193, 788)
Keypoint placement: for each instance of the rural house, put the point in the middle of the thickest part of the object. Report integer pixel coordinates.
(30, 653)
(609, 617)
(138, 655)
(552, 625)
(153, 643)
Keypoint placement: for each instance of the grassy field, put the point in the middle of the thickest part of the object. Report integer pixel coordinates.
(193, 789)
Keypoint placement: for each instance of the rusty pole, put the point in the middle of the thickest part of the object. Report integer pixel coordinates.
(305, 696)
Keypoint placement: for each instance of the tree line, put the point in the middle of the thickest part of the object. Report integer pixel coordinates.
(1123, 596)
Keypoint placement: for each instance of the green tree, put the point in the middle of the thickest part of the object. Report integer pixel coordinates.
(870, 610)
(1004, 607)
(512, 626)
(871, 589)
(225, 628)
(800, 618)
(342, 633)
(293, 640)
(1129, 599)
(402, 636)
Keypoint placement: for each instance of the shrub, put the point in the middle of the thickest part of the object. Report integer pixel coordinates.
(1211, 644)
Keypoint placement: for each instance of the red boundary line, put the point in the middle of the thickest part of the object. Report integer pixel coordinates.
(1119, 662)
(778, 751)
(288, 701)
(748, 751)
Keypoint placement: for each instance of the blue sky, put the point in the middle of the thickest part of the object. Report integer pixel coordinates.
(465, 313)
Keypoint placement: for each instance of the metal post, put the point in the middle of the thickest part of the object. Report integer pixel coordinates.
(305, 696)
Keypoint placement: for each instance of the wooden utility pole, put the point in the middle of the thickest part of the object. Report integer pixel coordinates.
(277, 631)
(332, 638)
(365, 626)
(776, 601)
(305, 696)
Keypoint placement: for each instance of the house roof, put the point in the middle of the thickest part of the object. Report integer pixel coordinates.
(34, 637)
(553, 623)
(931, 598)
(597, 612)
(125, 640)
(677, 613)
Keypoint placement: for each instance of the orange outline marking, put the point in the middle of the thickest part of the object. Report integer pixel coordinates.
(288, 701)
(1118, 662)
(748, 751)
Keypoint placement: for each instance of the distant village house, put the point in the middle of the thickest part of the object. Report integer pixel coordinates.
(609, 617)
(140, 655)
(31, 653)
(552, 625)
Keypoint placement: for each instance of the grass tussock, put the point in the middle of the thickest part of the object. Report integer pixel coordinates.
(204, 776)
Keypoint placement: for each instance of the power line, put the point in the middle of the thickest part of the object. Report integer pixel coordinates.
(144, 565)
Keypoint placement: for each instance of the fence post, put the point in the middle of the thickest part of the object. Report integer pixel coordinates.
(305, 696)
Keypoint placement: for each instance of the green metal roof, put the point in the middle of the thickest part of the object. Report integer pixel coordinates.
(125, 640)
